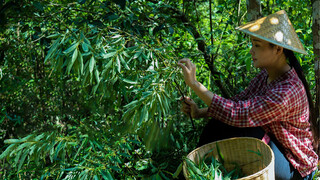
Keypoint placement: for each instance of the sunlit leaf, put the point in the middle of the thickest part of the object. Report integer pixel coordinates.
(118, 64)
(91, 64)
(111, 54)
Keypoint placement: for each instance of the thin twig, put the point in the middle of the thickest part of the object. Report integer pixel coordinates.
(178, 87)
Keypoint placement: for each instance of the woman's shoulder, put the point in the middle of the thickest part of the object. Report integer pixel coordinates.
(290, 83)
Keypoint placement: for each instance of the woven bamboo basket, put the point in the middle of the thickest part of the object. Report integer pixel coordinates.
(240, 150)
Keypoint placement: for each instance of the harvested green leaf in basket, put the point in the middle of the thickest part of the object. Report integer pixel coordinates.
(211, 168)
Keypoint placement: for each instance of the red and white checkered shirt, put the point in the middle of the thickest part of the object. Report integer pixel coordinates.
(281, 108)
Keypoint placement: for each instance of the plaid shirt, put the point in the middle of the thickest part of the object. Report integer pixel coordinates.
(280, 108)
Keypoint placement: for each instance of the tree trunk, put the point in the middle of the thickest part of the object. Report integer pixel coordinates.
(254, 9)
(316, 50)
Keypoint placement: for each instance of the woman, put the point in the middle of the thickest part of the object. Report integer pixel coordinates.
(276, 107)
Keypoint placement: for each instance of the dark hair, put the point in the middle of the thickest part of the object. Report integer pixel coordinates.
(293, 61)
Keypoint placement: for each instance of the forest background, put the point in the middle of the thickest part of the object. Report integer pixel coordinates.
(88, 88)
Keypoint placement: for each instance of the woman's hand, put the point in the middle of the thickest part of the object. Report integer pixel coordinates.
(189, 71)
(190, 107)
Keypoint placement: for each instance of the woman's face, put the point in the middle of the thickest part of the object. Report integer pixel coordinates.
(263, 55)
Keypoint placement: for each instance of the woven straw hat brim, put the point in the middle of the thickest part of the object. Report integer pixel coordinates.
(276, 29)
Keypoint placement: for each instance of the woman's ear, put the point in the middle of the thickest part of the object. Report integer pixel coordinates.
(278, 49)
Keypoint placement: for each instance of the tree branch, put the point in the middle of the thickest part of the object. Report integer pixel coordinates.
(202, 47)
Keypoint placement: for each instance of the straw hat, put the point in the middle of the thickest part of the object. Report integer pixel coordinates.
(276, 29)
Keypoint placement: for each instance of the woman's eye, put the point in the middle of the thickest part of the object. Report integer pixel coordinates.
(256, 46)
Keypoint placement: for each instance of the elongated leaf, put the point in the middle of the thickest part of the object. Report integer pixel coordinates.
(118, 64)
(137, 54)
(96, 72)
(39, 137)
(16, 159)
(23, 146)
(84, 38)
(52, 49)
(125, 54)
(129, 81)
(12, 141)
(176, 174)
(59, 147)
(27, 137)
(7, 151)
(193, 167)
(221, 158)
(106, 174)
(161, 103)
(91, 64)
(95, 177)
(73, 59)
(124, 63)
(111, 54)
(71, 48)
(81, 62)
(83, 142)
(108, 65)
(32, 148)
(116, 36)
(132, 103)
(23, 157)
(54, 35)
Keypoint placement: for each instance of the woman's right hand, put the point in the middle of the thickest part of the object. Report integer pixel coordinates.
(190, 107)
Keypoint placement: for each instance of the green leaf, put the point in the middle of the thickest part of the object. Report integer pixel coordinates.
(39, 137)
(23, 157)
(54, 35)
(83, 142)
(7, 151)
(256, 152)
(106, 174)
(129, 81)
(221, 158)
(23, 145)
(52, 49)
(137, 54)
(116, 36)
(97, 76)
(81, 62)
(111, 54)
(118, 64)
(16, 159)
(132, 103)
(12, 141)
(31, 150)
(193, 167)
(176, 174)
(95, 177)
(85, 47)
(59, 147)
(74, 57)
(124, 63)
(27, 138)
(108, 64)
(71, 48)
(125, 54)
(91, 64)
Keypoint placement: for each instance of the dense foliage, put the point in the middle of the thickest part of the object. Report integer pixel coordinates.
(88, 88)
